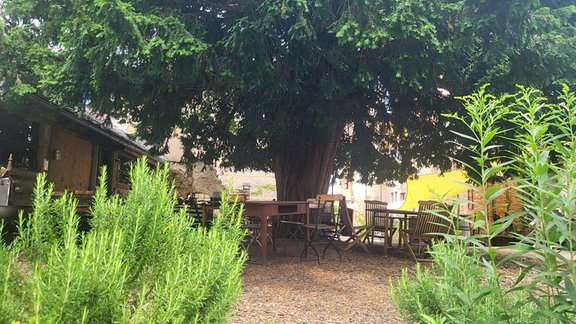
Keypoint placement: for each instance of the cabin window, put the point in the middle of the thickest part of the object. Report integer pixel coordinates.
(19, 138)
(124, 169)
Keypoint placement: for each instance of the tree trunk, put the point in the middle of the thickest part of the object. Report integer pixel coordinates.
(304, 173)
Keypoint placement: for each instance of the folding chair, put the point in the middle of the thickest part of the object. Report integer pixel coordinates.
(357, 234)
(252, 227)
(192, 210)
(293, 226)
(322, 229)
(430, 224)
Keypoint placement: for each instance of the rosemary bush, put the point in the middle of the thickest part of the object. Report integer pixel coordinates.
(140, 262)
(464, 284)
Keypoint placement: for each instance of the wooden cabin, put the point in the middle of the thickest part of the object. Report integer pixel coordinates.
(71, 147)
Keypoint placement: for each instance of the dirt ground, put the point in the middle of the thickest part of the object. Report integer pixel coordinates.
(354, 290)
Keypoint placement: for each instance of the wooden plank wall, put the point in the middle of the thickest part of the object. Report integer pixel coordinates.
(73, 170)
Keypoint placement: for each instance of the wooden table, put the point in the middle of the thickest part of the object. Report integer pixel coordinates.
(265, 209)
(388, 214)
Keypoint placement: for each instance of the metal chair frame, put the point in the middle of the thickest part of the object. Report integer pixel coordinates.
(253, 228)
(317, 229)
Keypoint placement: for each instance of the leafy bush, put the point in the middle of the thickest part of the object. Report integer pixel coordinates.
(140, 262)
(465, 286)
(459, 288)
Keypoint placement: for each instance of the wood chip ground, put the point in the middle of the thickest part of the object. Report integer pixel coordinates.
(354, 290)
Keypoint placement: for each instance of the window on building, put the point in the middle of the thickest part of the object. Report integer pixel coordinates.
(19, 138)
(124, 169)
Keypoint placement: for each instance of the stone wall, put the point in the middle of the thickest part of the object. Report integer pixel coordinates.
(199, 181)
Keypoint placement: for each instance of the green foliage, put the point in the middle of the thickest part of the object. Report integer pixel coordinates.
(459, 288)
(47, 223)
(543, 159)
(251, 82)
(483, 111)
(546, 168)
(140, 262)
(15, 286)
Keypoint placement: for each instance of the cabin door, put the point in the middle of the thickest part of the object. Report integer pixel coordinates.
(71, 161)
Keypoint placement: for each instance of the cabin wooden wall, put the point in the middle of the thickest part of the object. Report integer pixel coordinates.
(82, 151)
(73, 170)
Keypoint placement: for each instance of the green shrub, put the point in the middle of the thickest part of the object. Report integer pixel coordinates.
(140, 262)
(14, 288)
(458, 288)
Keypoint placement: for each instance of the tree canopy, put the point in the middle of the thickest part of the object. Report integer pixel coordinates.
(298, 87)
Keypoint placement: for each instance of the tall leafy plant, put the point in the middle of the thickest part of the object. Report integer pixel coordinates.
(462, 286)
(543, 164)
(546, 140)
(482, 123)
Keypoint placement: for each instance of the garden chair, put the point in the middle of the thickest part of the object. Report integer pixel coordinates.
(430, 224)
(253, 228)
(322, 228)
(292, 226)
(379, 222)
(192, 210)
(357, 234)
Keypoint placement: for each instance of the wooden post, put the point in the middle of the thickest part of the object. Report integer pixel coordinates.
(9, 166)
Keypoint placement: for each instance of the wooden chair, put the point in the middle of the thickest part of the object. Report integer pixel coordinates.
(357, 234)
(376, 216)
(430, 224)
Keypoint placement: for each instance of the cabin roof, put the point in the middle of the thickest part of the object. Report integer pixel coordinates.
(102, 125)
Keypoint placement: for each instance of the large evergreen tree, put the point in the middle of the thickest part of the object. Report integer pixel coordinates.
(297, 87)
